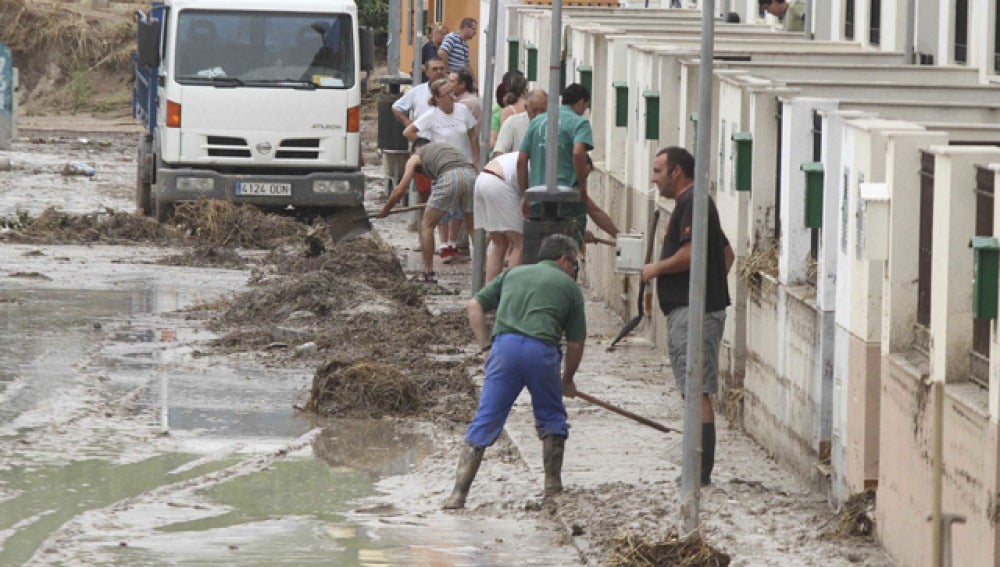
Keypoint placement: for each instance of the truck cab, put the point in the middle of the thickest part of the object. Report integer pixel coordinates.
(251, 101)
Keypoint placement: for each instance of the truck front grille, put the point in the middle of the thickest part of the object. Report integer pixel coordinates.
(301, 148)
(223, 146)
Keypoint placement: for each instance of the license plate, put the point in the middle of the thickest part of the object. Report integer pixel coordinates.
(267, 189)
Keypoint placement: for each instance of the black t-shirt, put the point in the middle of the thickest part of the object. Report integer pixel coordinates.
(672, 289)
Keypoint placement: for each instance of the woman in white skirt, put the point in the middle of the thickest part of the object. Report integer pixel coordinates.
(497, 210)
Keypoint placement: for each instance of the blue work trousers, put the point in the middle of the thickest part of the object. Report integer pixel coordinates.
(517, 361)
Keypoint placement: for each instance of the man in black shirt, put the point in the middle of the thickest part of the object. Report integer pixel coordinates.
(673, 174)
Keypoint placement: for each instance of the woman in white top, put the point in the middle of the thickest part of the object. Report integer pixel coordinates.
(497, 210)
(446, 121)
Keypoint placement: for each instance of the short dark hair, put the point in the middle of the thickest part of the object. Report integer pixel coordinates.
(556, 246)
(467, 23)
(677, 155)
(465, 77)
(768, 2)
(419, 143)
(574, 93)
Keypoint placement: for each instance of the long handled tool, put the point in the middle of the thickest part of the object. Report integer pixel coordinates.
(650, 239)
(411, 208)
(626, 413)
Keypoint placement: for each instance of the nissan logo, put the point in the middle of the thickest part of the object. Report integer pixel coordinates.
(264, 148)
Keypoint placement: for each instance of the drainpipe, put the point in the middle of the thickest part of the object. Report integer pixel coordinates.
(392, 53)
(485, 123)
(691, 463)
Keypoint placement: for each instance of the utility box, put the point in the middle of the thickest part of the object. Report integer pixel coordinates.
(742, 161)
(513, 52)
(814, 193)
(586, 77)
(629, 253)
(875, 197)
(652, 114)
(621, 103)
(531, 54)
(986, 272)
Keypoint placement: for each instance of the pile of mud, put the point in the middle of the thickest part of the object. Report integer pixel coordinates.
(54, 226)
(198, 223)
(71, 57)
(672, 551)
(381, 351)
(207, 256)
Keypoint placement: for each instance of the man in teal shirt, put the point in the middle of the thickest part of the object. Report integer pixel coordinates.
(575, 140)
(536, 305)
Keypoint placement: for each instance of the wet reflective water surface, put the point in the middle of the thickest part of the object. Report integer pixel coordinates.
(90, 381)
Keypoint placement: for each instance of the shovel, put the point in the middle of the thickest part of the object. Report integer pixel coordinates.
(411, 208)
(626, 413)
(650, 238)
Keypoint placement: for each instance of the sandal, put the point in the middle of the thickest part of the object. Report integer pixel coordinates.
(426, 278)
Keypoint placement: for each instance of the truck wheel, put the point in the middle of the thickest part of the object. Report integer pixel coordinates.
(143, 205)
(163, 211)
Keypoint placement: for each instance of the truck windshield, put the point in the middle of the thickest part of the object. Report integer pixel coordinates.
(265, 49)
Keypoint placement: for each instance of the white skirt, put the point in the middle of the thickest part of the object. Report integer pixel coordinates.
(497, 205)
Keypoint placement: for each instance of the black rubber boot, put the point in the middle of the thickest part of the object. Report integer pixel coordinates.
(707, 452)
(468, 466)
(553, 447)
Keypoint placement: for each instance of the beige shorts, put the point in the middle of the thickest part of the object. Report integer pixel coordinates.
(452, 191)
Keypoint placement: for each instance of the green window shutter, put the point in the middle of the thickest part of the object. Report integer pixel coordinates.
(814, 193)
(532, 62)
(652, 114)
(587, 78)
(621, 103)
(513, 52)
(743, 160)
(986, 250)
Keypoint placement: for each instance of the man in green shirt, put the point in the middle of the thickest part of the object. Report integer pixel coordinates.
(575, 140)
(536, 305)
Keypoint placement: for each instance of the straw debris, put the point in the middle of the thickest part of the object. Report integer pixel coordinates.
(109, 227)
(225, 224)
(630, 550)
(752, 267)
(381, 388)
(853, 519)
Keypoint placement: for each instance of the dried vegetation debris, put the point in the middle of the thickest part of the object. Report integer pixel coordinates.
(383, 352)
(854, 519)
(672, 551)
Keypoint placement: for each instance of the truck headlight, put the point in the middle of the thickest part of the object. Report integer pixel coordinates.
(202, 184)
(331, 186)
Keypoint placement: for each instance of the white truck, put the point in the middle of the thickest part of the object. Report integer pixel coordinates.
(252, 101)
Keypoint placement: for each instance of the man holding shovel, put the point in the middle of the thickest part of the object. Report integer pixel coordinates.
(673, 174)
(536, 305)
(453, 177)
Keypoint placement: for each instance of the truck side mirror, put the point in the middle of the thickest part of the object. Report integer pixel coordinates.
(148, 41)
(366, 39)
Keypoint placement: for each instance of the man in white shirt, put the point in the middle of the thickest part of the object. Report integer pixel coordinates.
(417, 98)
(512, 130)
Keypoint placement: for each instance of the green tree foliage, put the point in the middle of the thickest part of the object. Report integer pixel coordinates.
(374, 14)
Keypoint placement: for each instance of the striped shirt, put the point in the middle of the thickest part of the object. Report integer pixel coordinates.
(457, 50)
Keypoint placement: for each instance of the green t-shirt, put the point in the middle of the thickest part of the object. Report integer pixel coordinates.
(536, 300)
(573, 129)
(495, 118)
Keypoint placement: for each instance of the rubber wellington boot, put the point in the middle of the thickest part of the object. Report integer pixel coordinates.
(468, 466)
(707, 452)
(552, 457)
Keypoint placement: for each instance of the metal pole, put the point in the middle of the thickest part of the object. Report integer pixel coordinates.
(552, 132)
(418, 43)
(395, 32)
(691, 465)
(911, 23)
(485, 124)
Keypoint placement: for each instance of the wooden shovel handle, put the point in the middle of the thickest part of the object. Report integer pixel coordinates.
(625, 412)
